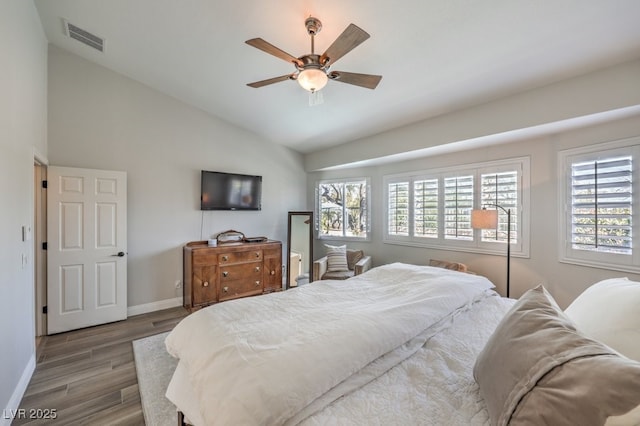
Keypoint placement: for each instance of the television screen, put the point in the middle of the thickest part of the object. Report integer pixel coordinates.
(230, 191)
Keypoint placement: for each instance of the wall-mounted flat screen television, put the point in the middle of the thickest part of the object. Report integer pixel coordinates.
(230, 191)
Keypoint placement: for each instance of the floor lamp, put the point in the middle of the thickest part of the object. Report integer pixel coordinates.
(488, 219)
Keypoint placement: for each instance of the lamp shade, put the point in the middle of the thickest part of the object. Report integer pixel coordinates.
(312, 79)
(484, 219)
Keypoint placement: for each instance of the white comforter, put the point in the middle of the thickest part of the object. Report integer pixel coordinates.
(433, 387)
(279, 358)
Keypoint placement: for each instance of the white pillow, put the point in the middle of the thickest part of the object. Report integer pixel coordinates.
(336, 258)
(609, 311)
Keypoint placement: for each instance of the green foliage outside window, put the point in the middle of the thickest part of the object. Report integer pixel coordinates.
(343, 210)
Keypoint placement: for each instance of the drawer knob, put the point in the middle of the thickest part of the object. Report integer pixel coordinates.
(225, 289)
(205, 284)
(257, 269)
(257, 254)
(257, 283)
(225, 258)
(273, 272)
(225, 274)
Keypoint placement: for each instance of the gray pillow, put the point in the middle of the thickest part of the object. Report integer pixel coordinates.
(537, 368)
(336, 258)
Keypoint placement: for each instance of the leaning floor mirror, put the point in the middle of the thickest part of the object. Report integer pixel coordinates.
(299, 248)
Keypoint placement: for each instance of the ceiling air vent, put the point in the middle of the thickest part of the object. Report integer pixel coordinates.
(84, 36)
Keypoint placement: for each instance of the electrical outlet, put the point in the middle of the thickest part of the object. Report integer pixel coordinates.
(178, 284)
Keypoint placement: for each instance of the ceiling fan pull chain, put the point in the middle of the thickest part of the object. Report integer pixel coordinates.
(316, 98)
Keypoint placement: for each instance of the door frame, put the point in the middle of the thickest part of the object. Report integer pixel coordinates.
(39, 227)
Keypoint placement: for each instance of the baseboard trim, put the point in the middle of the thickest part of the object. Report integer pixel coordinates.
(11, 411)
(154, 306)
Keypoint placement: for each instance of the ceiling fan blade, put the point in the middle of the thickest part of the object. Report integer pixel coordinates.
(363, 80)
(265, 46)
(350, 38)
(257, 84)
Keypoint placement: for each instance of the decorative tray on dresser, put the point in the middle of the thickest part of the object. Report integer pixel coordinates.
(230, 271)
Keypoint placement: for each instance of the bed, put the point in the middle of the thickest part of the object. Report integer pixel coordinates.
(399, 344)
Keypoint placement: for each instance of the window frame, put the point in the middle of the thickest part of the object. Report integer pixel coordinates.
(596, 259)
(318, 216)
(519, 248)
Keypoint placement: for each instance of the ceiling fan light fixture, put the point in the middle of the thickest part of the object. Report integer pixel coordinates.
(312, 70)
(312, 79)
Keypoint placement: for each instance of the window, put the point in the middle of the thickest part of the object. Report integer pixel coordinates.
(343, 209)
(500, 189)
(601, 206)
(458, 203)
(433, 209)
(597, 195)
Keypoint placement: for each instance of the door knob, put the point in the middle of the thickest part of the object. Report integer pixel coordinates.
(120, 254)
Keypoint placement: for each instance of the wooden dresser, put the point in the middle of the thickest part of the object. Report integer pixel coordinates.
(230, 271)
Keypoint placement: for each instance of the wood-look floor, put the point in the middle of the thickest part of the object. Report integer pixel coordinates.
(88, 376)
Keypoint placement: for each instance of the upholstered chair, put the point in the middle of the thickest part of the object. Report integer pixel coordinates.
(340, 263)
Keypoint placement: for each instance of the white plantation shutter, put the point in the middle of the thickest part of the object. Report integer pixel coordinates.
(432, 208)
(398, 208)
(425, 196)
(501, 189)
(601, 205)
(458, 203)
(597, 226)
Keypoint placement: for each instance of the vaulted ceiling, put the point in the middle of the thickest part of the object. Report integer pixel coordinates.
(435, 56)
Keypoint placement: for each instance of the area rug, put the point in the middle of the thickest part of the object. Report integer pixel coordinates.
(154, 368)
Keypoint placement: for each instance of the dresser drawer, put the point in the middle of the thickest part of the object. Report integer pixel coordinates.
(205, 258)
(245, 271)
(232, 289)
(240, 257)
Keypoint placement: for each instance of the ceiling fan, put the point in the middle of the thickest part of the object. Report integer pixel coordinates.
(312, 70)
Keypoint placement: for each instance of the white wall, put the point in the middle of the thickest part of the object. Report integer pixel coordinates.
(103, 120)
(564, 281)
(593, 96)
(23, 120)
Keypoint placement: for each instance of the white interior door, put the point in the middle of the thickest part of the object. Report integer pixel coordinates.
(86, 248)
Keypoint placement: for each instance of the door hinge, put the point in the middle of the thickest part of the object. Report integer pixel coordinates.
(44, 184)
(44, 310)
(44, 246)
